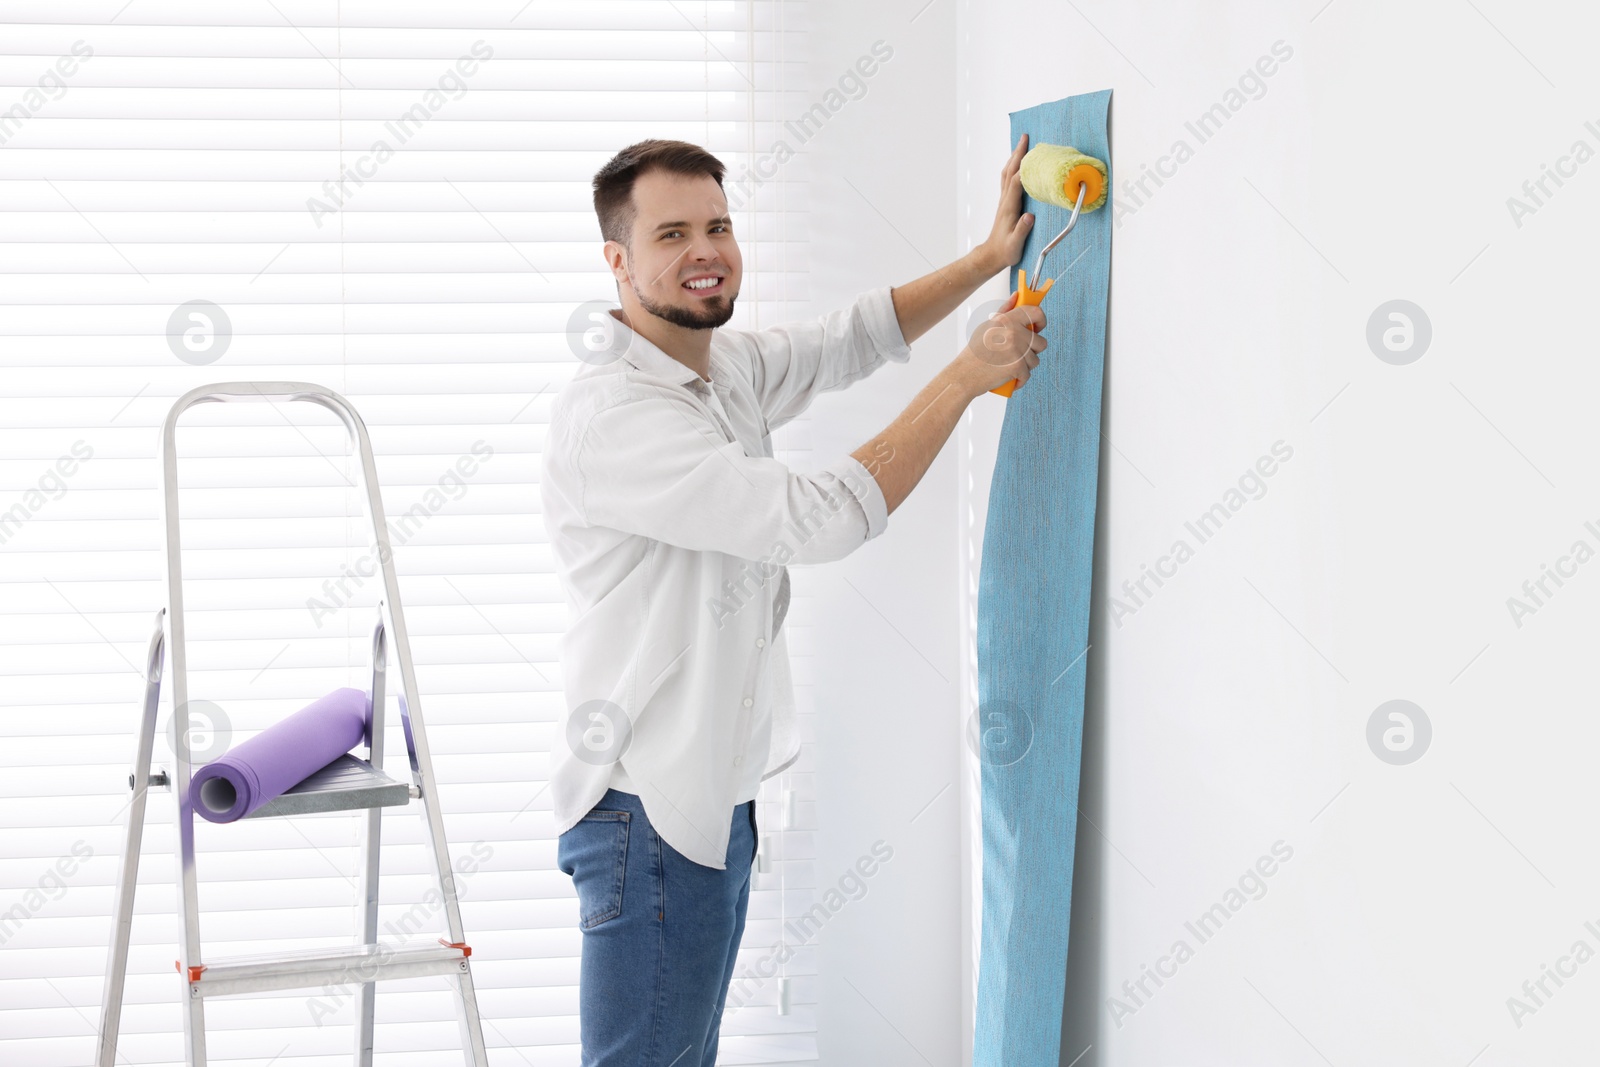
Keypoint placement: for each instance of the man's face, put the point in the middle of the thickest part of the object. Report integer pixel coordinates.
(681, 232)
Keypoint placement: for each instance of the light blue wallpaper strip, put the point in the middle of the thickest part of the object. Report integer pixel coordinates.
(1033, 619)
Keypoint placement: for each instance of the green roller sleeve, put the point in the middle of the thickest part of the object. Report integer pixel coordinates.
(1044, 176)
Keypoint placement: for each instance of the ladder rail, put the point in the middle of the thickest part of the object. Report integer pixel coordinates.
(371, 828)
(139, 782)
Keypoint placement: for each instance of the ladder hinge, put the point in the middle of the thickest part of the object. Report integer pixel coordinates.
(466, 950)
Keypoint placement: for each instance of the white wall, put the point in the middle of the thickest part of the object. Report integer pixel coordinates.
(886, 617)
(1229, 710)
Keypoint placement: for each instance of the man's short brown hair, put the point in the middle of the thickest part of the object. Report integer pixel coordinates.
(613, 184)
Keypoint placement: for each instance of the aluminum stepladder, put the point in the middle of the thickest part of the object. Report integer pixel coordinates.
(350, 783)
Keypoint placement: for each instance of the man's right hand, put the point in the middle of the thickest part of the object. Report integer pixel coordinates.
(1002, 348)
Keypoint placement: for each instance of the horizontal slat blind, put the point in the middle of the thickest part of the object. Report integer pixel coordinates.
(227, 153)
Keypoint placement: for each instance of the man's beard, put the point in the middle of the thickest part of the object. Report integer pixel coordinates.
(717, 312)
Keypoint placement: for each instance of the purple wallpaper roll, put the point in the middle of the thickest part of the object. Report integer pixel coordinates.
(281, 757)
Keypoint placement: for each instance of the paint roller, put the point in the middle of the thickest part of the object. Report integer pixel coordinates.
(1060, 175)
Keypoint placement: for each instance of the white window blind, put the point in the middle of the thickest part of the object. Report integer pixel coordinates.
(391, 200)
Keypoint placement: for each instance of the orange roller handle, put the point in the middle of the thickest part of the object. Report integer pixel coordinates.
(1025, 296)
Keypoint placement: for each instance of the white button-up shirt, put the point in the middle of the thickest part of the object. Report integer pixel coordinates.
(671, 523)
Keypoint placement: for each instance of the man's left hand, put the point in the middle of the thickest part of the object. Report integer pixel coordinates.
(1003, 247)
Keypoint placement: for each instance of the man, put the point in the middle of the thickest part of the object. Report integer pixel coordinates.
(672, 525)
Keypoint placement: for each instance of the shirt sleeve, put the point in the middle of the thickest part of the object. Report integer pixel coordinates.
(656, 465)
(793, 362)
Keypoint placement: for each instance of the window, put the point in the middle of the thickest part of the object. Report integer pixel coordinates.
(392, 201)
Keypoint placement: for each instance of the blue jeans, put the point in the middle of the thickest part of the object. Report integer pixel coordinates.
(660, 933)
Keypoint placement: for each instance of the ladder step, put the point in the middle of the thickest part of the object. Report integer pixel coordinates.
(346, 967)
(348, 782)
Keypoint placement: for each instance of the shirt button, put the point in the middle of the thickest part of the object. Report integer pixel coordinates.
(737, 760)
(761, 642)
(747, 702)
